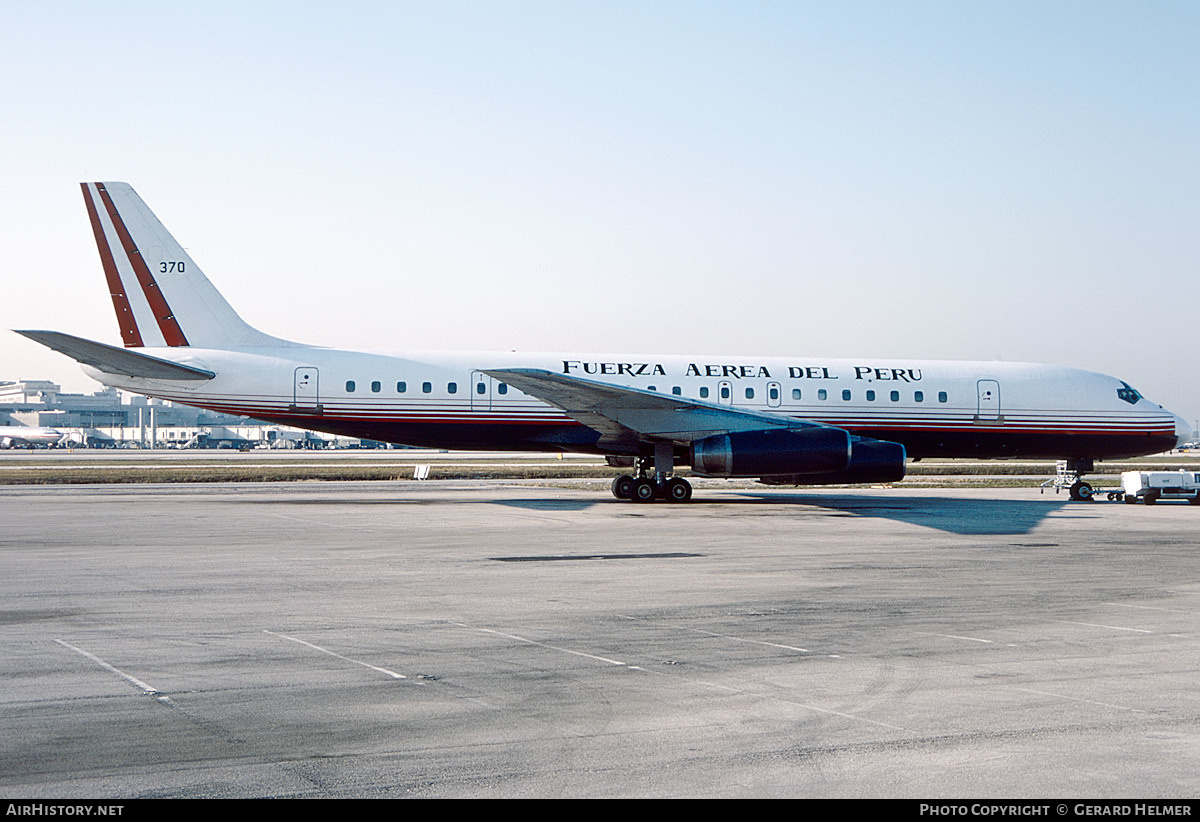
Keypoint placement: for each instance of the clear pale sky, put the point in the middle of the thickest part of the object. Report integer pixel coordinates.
(938, 180)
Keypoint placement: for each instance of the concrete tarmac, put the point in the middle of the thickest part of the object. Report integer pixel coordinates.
(474, 639)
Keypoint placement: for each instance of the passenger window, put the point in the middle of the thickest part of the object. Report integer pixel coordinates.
(677, 391)
(942, 396)
(426, 387)
(846, 394)
(401, 387)
(919, 396)
(502, 388)
(349, 386)
(481, 388)
(870, 396)
(895, 396)
(773, 393)
(376, 386)
(704, 392)
(822, 394)
(749, 393)
(452, 387)
(724, 392)
(795, 393)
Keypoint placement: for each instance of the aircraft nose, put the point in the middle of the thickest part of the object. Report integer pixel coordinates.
(1183, 431)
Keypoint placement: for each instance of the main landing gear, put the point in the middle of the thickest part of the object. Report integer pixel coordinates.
(646, 487)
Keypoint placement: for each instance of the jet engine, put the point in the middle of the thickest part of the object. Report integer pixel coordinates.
(870, 461)
(799, 456)
(772, 451)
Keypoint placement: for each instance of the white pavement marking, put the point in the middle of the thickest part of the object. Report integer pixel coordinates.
(722, 636)
(1079, 699)
(1152, 608)
(955, 636)
(1108, 627)
(392, 674)
(132, 680)
(549, 647)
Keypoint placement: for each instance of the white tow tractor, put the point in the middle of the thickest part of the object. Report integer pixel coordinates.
(1151, 486)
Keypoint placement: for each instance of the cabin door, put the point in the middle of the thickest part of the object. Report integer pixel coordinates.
(304, 391)
(989, 401)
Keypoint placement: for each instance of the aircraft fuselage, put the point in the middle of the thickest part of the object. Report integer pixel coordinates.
(446, 400)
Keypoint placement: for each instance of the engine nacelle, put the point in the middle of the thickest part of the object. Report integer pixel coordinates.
(773, 451)
(870, 461)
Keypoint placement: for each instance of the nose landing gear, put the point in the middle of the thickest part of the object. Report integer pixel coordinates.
(1080, 491)
(1069, 475)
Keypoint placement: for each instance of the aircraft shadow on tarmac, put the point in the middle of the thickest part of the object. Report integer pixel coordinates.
(950, 514)
(953, 515)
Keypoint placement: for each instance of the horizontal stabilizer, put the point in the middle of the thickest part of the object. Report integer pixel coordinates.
(113, 360)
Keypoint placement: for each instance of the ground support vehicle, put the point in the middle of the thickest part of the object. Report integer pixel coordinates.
(1151, 486)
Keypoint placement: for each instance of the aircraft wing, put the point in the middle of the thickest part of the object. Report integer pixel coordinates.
(626, 416)
(113, 360)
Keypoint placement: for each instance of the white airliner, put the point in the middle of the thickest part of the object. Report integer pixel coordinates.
(786, 420)
(18, 436)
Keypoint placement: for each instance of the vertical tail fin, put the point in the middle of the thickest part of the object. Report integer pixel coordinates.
(161, 296)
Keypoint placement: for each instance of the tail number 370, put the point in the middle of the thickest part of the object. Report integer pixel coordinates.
(172, 267)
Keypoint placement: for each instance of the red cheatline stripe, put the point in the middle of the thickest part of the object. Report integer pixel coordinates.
(172, 333)
(444, 417)
(125, 319)
(249, 405)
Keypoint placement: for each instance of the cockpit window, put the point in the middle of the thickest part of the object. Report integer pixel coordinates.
(1128, 393)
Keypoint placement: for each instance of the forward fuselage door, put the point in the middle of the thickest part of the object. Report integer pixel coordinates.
(989, 401)
(305, 394)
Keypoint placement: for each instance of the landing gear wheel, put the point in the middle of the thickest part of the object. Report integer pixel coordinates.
(678, 490)
(1081, 491)
(642, 491)
(622, 486)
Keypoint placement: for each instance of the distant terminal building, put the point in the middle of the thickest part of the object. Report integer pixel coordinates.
(28, 391)
(42, 403)
(107, 418)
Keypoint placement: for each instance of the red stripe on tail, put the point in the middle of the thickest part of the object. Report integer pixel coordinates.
(125, 319)
(172, 333)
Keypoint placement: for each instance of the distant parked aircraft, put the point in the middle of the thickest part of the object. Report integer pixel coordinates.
(13, 436)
